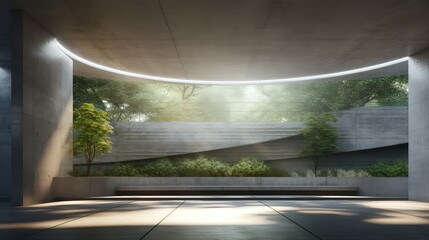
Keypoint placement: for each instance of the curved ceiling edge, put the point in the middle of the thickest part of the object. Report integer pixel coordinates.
(226, 82)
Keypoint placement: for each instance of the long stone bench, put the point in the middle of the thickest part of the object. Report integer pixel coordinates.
(237, 190)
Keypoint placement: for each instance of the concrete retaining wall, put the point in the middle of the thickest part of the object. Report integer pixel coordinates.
(84, 187)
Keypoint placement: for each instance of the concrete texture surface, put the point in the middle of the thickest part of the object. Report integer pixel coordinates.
(41, 111)
(236, 190)
(5, 100)
(419, 126)
(84, 187)
(359, 129)
(235, 39)
(346, 160)
(221, 219)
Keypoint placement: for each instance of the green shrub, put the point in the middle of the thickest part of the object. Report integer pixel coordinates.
(331, 172)
(161, 168)
(338, 172)
(278, 173)
(246, 167)
(77, 173)
(383, 169)
(302, 173)
(202, 167)
(120, 170)
(249, 167)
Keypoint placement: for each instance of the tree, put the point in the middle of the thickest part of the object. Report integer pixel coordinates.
(85, 90)
(188, 91)
(320, 137)
(92, 128)
(296, 100)
(134, 101)
(343, 95)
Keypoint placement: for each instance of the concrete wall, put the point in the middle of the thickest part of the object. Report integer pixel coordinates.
(146, 140)
(84, 187)
(360, 128)
(41, 111)
(346, 160)
(419, 126)
(5, 99)
(371, 127)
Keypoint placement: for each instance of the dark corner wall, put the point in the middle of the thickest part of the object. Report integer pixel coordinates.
(419, 126)
(41, 111)
(5, 98)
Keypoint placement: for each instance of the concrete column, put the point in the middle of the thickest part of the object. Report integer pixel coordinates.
(41, 125)
(5, 98)
(419, 126)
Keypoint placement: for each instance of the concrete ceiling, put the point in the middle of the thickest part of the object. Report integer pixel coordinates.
(235, 39)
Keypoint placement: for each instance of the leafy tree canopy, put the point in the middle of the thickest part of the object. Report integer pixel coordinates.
(92, 129)
(320, 137)
(132, 101)
(317, 97)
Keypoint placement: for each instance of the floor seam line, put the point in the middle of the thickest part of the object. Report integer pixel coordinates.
(288, 218)
(150, 230)
(71, 220)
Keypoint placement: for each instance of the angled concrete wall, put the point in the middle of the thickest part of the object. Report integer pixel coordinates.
(419, 126)
(41, 111)
(359, 129)
(372, 127)
(346, 160)
(5, 99)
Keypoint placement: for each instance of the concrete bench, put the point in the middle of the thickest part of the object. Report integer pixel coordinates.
(237, 190)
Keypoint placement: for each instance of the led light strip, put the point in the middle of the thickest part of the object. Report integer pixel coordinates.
(226, 82)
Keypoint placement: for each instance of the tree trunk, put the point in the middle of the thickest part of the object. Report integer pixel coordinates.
(88, 167)
(316, 165)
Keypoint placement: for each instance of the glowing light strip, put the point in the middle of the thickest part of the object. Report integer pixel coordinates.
(226, 82)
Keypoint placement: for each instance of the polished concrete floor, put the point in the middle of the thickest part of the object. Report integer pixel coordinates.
(217, 219)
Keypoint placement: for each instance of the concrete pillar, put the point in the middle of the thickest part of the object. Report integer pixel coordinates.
(41, 125)
(419, 126)
(5, 98)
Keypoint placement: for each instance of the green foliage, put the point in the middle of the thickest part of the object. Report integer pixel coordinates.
(131, 101)
(295, 102)
(249, 167)
(121, 170)
(202, 167)
(338, 172)
(86, 91)
(122, 99)
(332, 172)
(92, 130)
(77, 173)
(246, 167)
(383, 169)
(170, 169)
(342, 95)
(199, 167)
(161, 168)
(320, 137)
